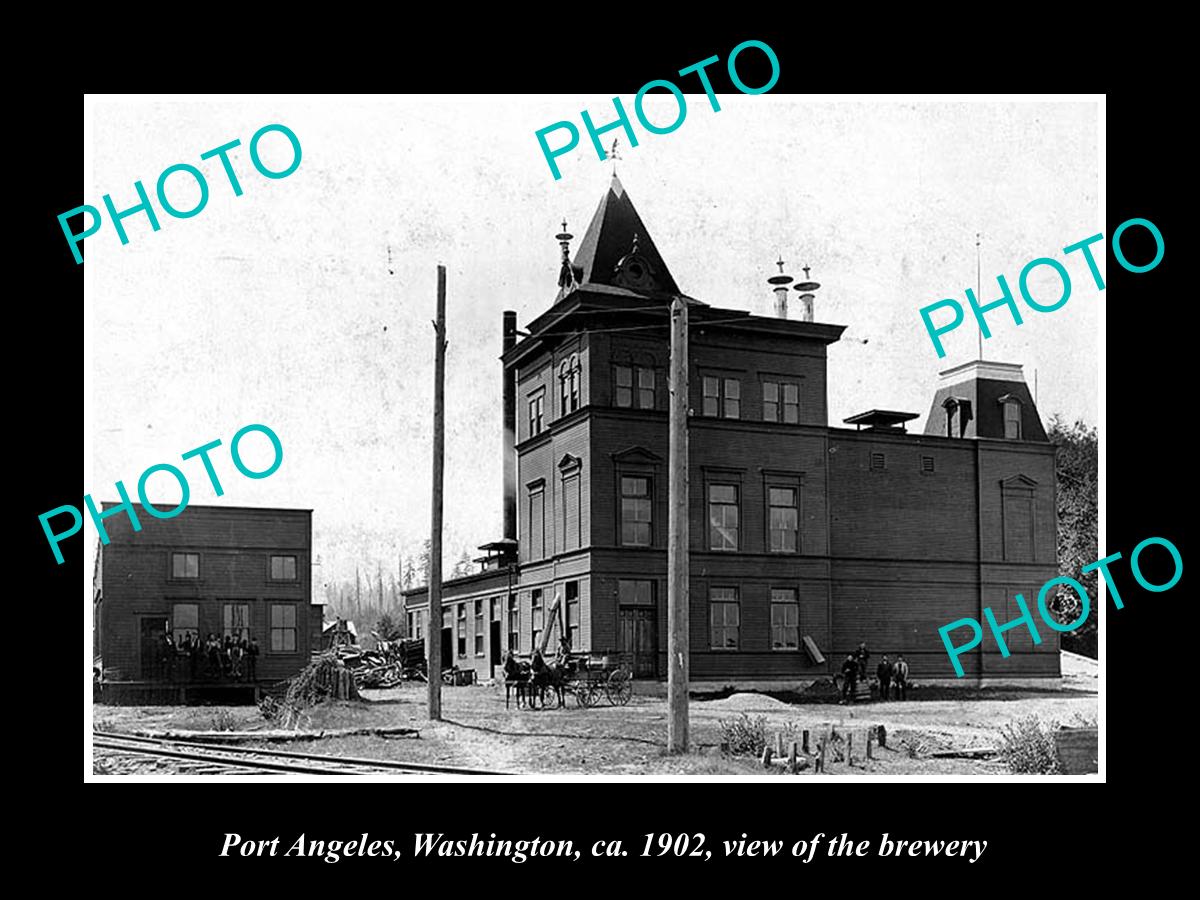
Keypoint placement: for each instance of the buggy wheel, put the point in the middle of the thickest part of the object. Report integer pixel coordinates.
(619, 687)
(585, 695)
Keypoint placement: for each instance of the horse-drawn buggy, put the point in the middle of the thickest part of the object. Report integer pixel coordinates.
(589, 678)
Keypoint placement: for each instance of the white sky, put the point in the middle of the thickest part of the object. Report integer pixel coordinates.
(305, 303)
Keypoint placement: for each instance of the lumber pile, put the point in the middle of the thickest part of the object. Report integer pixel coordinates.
(390, 663)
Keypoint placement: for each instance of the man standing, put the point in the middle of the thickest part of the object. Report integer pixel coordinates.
(849, 678)
(252, 660)
(884, 672)
(900, 677)
(862, 654)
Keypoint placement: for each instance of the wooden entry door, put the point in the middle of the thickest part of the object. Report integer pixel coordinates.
(153, 629)
(639, 639)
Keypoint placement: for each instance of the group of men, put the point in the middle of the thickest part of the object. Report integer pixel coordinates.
(233, 656)
(893, 676)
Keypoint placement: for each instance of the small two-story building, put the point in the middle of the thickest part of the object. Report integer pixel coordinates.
(213, 573)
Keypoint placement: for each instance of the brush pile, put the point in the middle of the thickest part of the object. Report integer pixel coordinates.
(390, 663)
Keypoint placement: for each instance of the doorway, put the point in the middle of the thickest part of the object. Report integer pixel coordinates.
(447, 648)
(153, 629)
(639, 639)
(494, 649)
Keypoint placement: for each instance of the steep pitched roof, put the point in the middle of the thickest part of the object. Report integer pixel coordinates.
(609, 245)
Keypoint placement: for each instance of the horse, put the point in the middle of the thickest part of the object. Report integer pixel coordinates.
(518, 678)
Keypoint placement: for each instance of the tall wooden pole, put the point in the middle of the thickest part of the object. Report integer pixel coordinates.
(433, 646)
(677, 536)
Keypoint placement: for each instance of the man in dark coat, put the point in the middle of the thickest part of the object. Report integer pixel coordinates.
(884, 672)
(862, 654)
(849, 678)
(252, 660)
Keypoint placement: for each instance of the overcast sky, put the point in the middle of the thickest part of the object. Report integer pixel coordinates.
(305, 303)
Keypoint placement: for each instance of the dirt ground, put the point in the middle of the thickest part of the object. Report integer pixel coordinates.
(478, 731)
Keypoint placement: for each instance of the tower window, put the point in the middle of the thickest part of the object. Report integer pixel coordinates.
(1012, 417)
(878, 462)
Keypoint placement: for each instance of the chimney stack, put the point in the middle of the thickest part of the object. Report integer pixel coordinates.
(779, 285)
(510, 430)
(806, 289)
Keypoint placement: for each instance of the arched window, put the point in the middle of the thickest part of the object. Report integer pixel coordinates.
(575, 379)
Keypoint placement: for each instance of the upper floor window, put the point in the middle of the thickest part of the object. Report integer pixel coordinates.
(185, 565)
(723, 516)
(537, 412)
(283, 568)
(636, 506)
(722, 397)
(634, 383)
(783, 514)
(781, 402)
(569, 377)
(1012, 417)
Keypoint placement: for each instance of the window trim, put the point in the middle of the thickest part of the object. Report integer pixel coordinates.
(736, 602)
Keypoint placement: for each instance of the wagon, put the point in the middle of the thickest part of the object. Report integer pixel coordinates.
(594, 678)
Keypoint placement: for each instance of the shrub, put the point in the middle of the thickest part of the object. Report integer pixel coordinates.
(1028, 747)
(223, 721)
(744, 735)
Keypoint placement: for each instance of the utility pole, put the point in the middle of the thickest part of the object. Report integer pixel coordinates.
(677, 536)
(433, 638)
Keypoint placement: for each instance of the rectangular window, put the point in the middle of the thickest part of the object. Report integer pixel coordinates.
(624, 384)
(733, 398)
(926, 465)
(770, 401)
(722, 397)
(412, 625)
(571, 521)
(537, 521)
(235, 621)
(724, 618)
(495, 609)
(185, 621)
(283, 628)
(781, 402)
(635, 593)
(723, 517)
(572, 591)
(645, 379)
(1012, 420)
(536, 615)
(461, 628)
(185, 565)
(479, 633)
(712, 396)
(877, 462)
(785, 619)
(636, 507)
(783, 514)
(537, 412)
(283, 568)
(419, 631)
(514, 625)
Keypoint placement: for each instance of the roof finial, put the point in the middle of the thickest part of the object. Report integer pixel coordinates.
(780, 263)
(614, 156)
(805, 270)
(566, 275)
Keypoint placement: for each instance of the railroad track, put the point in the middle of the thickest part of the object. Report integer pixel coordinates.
(224, 757)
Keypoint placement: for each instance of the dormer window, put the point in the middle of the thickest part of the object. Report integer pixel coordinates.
(958, 414)
(1012, 417)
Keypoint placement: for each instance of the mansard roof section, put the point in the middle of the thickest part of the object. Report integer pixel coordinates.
(617, 249)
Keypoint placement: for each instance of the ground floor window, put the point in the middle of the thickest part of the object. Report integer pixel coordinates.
(235, 621)
(724, 618)
(785, 619)
(185, 623)
(573, 614)
(479, 628)
(283, 628)
(462, 629)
